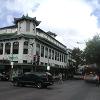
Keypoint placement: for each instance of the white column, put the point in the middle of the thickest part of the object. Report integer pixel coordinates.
(11, 49)
(20, 57)
(4, 48)
(44, 51)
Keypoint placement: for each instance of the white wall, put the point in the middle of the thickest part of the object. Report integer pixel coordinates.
(12, 30)
(21, 27)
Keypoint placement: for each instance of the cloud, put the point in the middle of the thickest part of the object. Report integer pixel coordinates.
(15, 8)
(95, 5)
(72, 20)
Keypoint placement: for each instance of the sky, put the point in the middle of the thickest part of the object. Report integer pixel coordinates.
(74, 21)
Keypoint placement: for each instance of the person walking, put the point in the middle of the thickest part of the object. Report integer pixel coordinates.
(60, 78)
(97, 80)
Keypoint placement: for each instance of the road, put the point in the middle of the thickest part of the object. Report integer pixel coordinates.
(69, 90)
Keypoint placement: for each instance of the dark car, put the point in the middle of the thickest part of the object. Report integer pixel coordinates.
(35, 79)
(4, 77)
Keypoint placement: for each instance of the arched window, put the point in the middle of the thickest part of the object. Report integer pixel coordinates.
(15, 47)
(25, 47)
(7, 48)
(1, 48)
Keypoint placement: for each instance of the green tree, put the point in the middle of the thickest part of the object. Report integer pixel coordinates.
(77, 54)
(92, 50)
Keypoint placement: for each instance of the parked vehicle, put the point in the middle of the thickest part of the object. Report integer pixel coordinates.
(4, 77)
(91, 77)
(35, 79)
(91, 73)
(78, 76)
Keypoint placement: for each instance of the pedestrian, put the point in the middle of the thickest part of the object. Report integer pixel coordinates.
(97, 80)
(60, 78)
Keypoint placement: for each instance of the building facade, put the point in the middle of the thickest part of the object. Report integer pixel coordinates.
(26, 45)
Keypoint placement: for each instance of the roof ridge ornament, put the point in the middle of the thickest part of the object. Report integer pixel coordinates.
(23, 16)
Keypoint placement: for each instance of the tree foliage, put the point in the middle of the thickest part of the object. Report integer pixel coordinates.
(77, 54)
(92, 50)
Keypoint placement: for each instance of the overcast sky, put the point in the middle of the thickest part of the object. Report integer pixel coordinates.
(72, 20)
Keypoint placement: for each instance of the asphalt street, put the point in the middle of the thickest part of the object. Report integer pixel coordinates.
(69, 90)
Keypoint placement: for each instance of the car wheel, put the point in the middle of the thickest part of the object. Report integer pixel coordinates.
(39, 85)
(15, 83)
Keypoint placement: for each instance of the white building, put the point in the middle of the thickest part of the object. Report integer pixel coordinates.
(24, 43)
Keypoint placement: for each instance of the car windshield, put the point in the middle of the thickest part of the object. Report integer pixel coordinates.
(40, 74)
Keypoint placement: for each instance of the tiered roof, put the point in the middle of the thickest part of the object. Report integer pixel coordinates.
(16, 20)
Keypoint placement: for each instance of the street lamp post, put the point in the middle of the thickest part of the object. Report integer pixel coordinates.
(12, 60)
(48, 66)
(12, 65)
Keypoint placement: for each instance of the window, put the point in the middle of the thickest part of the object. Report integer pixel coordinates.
(42, 63)
(37, 49)
(15, 61)
(46, 52)
(1, 48)
(55, 55)
(52, 54)
(25, 47)
(27, 26)
(49, 53)
(25, 51)
(15, 47)
(42, 51)
(24, 61)
(64, 58)
(7, 48)
(60, 57)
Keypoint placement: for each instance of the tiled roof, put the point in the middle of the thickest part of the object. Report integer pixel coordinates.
(40, 30)
(50, 33)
